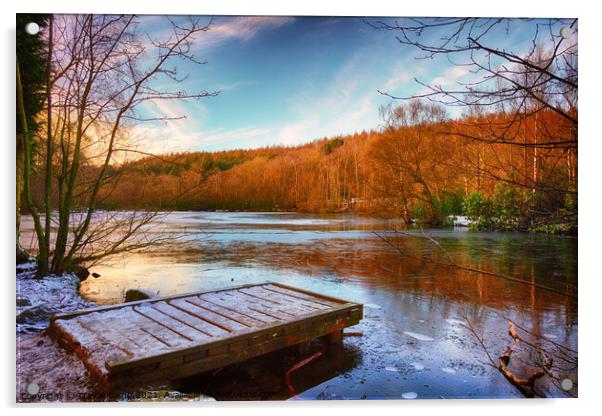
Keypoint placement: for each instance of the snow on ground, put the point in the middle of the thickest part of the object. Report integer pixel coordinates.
(460, 221)
(48, 373)
(419, 337)
(45, 371)
(38, 299)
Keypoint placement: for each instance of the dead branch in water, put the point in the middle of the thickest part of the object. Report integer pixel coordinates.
(560, 346)
(525, 385)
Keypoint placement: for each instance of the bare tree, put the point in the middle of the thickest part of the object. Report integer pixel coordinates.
(413, 169)
(102, 69)
(503, 77)
(523, 97)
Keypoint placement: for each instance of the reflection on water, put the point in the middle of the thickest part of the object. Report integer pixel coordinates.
(261, 378)
(414, 339)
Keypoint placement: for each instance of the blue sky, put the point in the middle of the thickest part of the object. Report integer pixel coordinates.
(291, 80)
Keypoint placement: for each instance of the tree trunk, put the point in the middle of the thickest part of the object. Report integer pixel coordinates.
(65, 205)
(49, 150)
(26, 143)
(19, 186)
(535, 161)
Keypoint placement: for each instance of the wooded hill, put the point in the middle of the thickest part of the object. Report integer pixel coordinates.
(422, 166)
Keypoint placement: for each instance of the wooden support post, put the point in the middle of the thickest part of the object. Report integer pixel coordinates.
(304, 347)
(335, 337)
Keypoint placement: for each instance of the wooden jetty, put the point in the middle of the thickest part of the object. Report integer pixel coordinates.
(179, 336)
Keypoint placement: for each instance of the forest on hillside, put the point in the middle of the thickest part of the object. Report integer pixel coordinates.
(421, 166)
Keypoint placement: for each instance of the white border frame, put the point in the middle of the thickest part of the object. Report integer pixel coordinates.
(589, 200)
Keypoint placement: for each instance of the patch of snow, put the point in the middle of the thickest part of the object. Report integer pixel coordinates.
(453, 321)
(409, 395)
(47, 296)
(419, 337)
(59, 375)
(448, 370)
(392, 369)
(26, 266)
(418, 366)
(460, 220)
(371, 306)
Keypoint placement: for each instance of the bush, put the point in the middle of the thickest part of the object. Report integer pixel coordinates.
(330, 145)
(507, 209)
(420, 211)
(511, 207)
(562, 221)
(479, 209)
(450, 203)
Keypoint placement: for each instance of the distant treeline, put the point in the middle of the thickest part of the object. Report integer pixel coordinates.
(421, 167)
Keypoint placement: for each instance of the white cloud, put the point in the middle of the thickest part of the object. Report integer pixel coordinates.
(241, 28)
(456, 72)
(299, 131)
(343, 108)
(402, 76)
(239, 138)
(348, 105)
(246, 27)
(397, 81)
(222, 29)
(235, 85)
(160, 140)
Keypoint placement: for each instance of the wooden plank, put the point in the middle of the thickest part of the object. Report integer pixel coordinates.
(253, 302)
(231, 304)
(72, 314)
(122, 331)
(227, 313)
(156, 330)
(190, 319)
(185, 331)
(283, 299)
(95, 349)
(336, 301)
(99, 341)
(333, 301)
(300, 295)
(205, 363)
(73, 329)
(290, 303)
(207, 321)
(195, 306)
